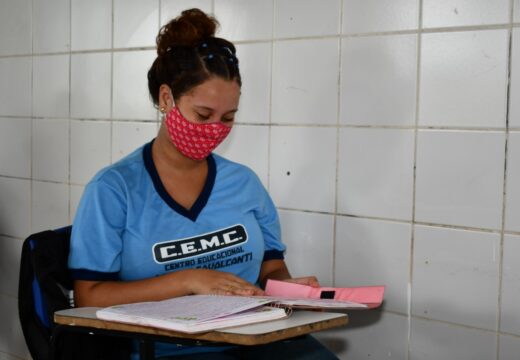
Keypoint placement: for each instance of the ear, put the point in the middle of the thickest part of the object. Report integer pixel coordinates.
(166, 102)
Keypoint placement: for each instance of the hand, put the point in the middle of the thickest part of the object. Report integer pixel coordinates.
(204, 281)
(306, 280)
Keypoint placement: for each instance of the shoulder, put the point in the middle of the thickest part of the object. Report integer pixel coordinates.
(227, 168)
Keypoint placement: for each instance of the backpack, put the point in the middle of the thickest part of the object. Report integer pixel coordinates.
(45, 286)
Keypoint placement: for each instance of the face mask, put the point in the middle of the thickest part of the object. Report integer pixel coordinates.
(195, 141)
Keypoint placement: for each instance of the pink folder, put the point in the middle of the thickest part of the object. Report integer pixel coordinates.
(372, 296)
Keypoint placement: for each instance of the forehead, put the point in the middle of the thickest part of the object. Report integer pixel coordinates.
(215, 93)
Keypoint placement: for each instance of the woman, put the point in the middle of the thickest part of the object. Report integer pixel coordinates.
(173, 219)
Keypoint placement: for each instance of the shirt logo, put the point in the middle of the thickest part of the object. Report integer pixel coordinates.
(200, 244)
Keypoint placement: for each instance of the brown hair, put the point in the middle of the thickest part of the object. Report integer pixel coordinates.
(188, 53)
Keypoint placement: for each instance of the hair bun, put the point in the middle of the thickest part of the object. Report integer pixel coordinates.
(188, 29)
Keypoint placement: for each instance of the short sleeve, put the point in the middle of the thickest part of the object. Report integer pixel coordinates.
(96, 240)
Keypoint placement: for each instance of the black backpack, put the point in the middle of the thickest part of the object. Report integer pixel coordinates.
(45, 287)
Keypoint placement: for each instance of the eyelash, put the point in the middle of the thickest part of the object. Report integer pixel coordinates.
(205, 118)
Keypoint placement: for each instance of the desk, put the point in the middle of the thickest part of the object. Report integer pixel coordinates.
(299, 323)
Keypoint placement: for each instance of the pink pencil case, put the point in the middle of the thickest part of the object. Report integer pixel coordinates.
(372, 296)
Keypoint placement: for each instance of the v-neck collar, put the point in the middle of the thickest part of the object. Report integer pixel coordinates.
(201, 201)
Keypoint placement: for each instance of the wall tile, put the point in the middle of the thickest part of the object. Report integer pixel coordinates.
(375, 172)
(15, 87)
(516, 6)
(309, 241)
(374, 252)
(15, 137)
(432, 341)
(244, 19)
(131, 99)
(248, 145)
(136, 23)
(50, 206)
(305, 81)
(128, 136)
(90, 85)
(50, 150)
(51, 86)
(459, 178)
(90, 149)
(91, 24)
(11, 336)
(512, 216)
(15, 27)
(509, 347)
(378, 76)
(296, 18)
(10, 250)
(464, 13)
(303, 176)
(514, 94)
(51, 25)
(255, 70)
(464, 79)
(441, 257)
(76, 191)
(510, 304)
(360, 16)
(173, 8)
(368, 335)
(15, 207)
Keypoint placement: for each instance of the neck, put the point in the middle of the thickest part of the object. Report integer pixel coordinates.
(163, 151)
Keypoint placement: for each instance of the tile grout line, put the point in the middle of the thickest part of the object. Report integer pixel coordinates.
(270, 112)
(31, 173)
(69, 122)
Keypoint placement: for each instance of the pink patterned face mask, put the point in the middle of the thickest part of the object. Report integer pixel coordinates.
(195, 141)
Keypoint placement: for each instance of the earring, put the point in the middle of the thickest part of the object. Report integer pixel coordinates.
(162, 109)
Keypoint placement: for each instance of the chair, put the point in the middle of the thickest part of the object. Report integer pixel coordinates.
(45, 286)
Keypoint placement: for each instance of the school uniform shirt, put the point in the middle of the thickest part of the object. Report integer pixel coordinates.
(127, 227)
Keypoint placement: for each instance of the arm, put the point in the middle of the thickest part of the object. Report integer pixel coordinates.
(185, 282)
(277, 270)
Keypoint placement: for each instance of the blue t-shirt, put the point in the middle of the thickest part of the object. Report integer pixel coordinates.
(127, 227)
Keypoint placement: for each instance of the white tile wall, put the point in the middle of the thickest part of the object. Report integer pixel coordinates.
(512, 215)
(50, 206)
(309, 241)
(510, 299)
(375, 172)
(509, 347)
(128, 136)
(432, 341)
(248, 145)
(15, 87)
(296, 18)
(295, 154)
(441, 13)
(75, 196)
(91, 24)
(10, 250)
(15, 207)
(516, 7)
(463, 79)
(89, 149)
(447, 276)
(11, 337)
(51, 36)
(459, 178)
(136, 22)
(244, 19)
(15, 27)
(361, 16)
(90, 85)
(305, 81)
(374, 252)
(173, 8)
(369, 335)
(50, 150)
(378, 76)
(15, 137)
(255, 70)
(51, 86)
(131, 99)
(514, 95)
